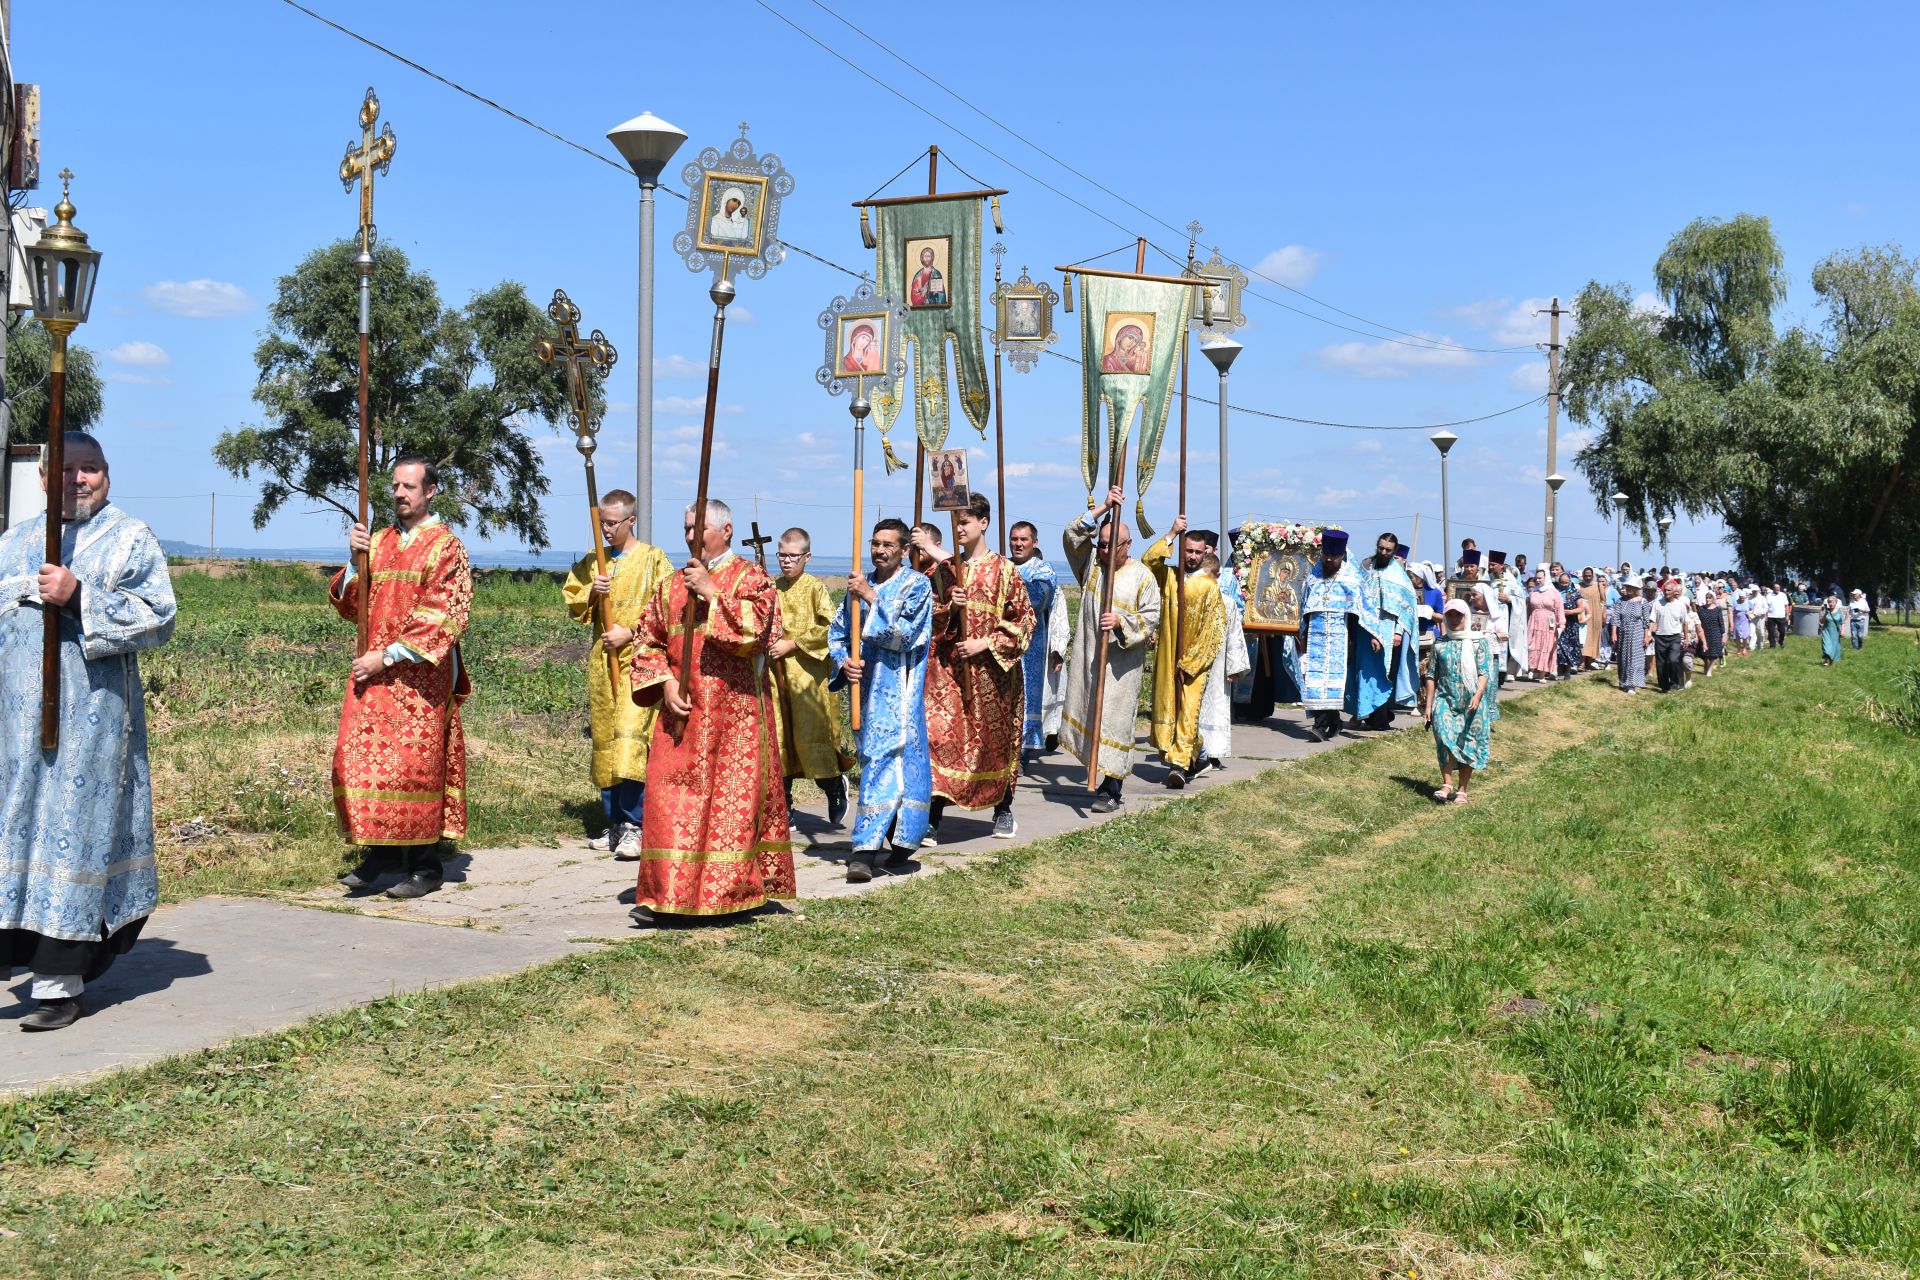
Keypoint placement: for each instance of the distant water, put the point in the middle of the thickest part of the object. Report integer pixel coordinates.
(486, 558)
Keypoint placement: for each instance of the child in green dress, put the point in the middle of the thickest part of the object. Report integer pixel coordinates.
(1455, 705)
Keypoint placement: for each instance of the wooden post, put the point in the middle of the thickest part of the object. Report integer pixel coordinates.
(859, 500)
(1095, 726)
(999, 451)
(605, 607)
(364, 567)
(56, 526)
(1180, 550)
(919, 477)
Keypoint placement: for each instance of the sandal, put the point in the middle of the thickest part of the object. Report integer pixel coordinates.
(1459, 797)
(1443, 795)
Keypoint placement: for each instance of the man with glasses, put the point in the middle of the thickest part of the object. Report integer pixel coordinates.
(809, 713)
(621, 728)
(1132, 620)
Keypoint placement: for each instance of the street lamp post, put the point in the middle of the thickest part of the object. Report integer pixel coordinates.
(1444, 440)
(61, 272)
(646, 143)
(1666, 557)
(1222, 351)
(1619, 514)
(1554, 482)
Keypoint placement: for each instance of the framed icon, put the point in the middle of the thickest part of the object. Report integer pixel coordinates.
(947, 474)
(732, 209)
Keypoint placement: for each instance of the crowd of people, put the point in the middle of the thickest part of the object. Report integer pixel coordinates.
(713, 688)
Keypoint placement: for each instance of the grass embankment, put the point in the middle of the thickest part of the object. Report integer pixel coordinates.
(245, 706)
(1645, 1008)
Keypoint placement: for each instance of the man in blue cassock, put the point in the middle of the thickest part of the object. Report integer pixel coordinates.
(1406, 671)
(1376, 678)
(1047, 651)
(896, 769)
(1337, 624)
(77, 879)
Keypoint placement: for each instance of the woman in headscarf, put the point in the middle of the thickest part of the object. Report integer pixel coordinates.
(1713, 630)
(1742, 612)
(1575, 605)
(1593, 635)
(1833, 621)
(1546, 617)
(1631, 620)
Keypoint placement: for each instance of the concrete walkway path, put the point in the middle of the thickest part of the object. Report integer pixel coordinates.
(215, 969)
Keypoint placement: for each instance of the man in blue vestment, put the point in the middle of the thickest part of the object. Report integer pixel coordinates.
(896, 768)
(1374, 678)
(1336, 620)
(1047, 652)
(77, 879)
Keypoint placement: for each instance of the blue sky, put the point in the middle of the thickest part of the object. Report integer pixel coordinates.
(1439, 169)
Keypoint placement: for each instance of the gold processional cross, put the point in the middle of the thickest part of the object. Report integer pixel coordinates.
(573, 354)
(373, 155)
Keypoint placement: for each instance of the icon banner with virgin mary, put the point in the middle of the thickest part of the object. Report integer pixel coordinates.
(930, 259)
(1131, 333)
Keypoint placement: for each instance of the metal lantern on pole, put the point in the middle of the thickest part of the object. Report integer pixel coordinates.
(1620, 501)
(1443, 440)
(1666, 557)
(647, 144)
(61, 272)
(1554, 482)
(1222, 352)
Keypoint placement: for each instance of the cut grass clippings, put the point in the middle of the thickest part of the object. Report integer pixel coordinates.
(1644, 1008)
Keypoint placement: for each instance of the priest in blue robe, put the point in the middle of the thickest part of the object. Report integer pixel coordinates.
(896, 768)
(1379, 679)
(1047, 652)
(1336, 622)
(77, 879)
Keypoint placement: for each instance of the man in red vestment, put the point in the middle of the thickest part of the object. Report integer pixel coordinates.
(713, 834)
(976, 698)
(400, 763)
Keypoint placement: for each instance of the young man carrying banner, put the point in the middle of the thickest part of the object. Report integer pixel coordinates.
(1176, 733)
(982, 623)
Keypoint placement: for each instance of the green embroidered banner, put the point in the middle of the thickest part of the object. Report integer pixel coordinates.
(1131, 336)
(930, 260)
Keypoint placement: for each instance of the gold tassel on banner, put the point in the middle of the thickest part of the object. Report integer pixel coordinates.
(1066, 293)
(999, 227)
(1140, 514)
(1206, 307)
(887, 455)
(867, 237)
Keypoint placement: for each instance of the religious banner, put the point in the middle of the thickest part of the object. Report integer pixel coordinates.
(1131, 333)
(733, 211)
(929, 254)
(1274, 561)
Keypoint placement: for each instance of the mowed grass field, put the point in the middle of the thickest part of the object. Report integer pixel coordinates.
(244, 707)
(1644, 1008)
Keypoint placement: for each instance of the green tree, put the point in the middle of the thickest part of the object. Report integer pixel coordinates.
(29, 357)
(1803, 443)
(459, 385)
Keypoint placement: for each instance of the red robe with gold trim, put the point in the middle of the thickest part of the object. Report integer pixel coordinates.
(400, 763)
(713, 834)
(975, 706)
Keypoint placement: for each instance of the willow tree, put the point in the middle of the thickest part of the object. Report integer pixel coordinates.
(459, 385)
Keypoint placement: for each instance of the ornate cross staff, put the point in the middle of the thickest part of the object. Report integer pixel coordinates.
(759, 543)
(373, 155)
(575, 356)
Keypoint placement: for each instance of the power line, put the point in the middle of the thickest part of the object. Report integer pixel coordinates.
(862, 275)
(1417, 338)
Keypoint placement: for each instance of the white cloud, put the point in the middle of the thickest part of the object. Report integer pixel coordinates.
(1331, 497)
(1515, 324)
(1041, 471)
(1292, 265)
(136, 379)
(198, 299)
(1529, 378)
(693, 404)
(1648, 303)
(806, 438)
(1856, 209)
(148, 354)
(737, 312)
(691, 452)
(1393, 359)
(677, 366)
(1391, 487)
(1368, 446)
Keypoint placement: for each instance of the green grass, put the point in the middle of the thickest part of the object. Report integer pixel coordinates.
(1644, 1009)
(245, 704)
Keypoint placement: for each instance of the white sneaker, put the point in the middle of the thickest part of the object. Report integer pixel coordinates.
(628, 848)
(607, 840)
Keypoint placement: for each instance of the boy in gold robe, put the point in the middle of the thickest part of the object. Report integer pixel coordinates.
(1176, 730)
(809, 714)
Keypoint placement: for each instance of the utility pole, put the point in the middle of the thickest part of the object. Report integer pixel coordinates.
(213, 551)
(1553, 421)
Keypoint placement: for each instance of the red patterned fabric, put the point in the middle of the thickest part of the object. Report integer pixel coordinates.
(975, 705)
(713, 831)
(400, 762)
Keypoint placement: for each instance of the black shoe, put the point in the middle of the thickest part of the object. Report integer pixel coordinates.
(52, 1015)
(644, 917)
(899, 856)
(417, 885)
(1105, 803)
(836, 805)
(1053, 742)
(859, 871)
(377, 863)
(1176, 778)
